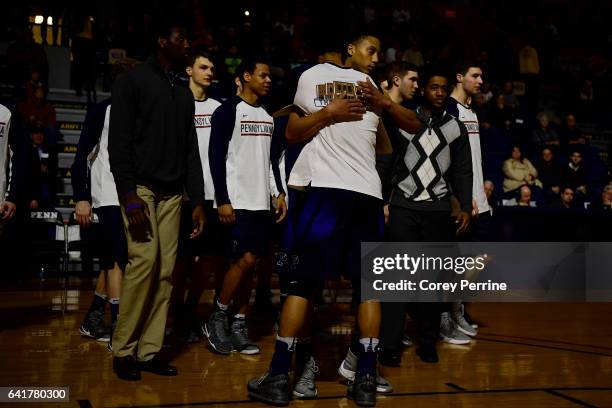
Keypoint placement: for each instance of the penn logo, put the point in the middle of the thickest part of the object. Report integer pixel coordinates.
(202, 121)
(256, 128)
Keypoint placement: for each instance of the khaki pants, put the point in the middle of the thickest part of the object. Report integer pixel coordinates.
(147, 282)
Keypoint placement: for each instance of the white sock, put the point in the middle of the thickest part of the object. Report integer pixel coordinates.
(289, 341)
(369, 343)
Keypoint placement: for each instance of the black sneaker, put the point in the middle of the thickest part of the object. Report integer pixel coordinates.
(217, 332)
(240, 338)
(363, 391)
(273, 390)
(428, 353)
(93, 327)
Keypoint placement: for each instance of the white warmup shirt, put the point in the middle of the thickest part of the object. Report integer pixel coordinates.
(342, 155)
(103, 189)
(239, 155)
(5, 151)
(468, 117)
(203, 114)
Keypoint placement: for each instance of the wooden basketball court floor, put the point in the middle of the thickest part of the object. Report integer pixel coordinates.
(526, 355)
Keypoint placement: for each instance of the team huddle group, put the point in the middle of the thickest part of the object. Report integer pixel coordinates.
(181, 183)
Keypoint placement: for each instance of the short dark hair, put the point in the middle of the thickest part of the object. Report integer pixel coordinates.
(463, 67)
(248, 65)
(563, 188)
(355, 38)
(164, 25)
(195, 54)
(432, 71)
(399, 68)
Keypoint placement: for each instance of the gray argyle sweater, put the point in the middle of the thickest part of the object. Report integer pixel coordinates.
(432, 164)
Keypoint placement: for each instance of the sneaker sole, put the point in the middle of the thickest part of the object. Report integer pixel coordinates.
(346, 373)
(301, 396)
(267, 400)
(455, 341)
(87, 333)
(207, 334)
(467, 332)
(384, 389)
(248, 352)
(407, 343)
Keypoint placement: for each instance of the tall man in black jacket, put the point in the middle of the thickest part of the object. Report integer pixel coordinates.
(154, 155)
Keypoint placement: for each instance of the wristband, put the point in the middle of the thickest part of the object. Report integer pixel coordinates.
(134, 206)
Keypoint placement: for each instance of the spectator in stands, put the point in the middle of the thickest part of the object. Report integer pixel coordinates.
(36, 111)
(84, 61)
(586, 91)
(606, 199)
(502, 116)
(574, 174)
(544, 135)
(524, 198)
(232, 60)
(33, 84)
(569, 134)
(413, 55)
(510, 99)
(549, 173)
(521, 198)
(24, 56)
(519, 171)
(487, 92)
(529, 68)
(565, 200)
(489, 189)
(401, 13)
(45, 157)
(586, 100)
